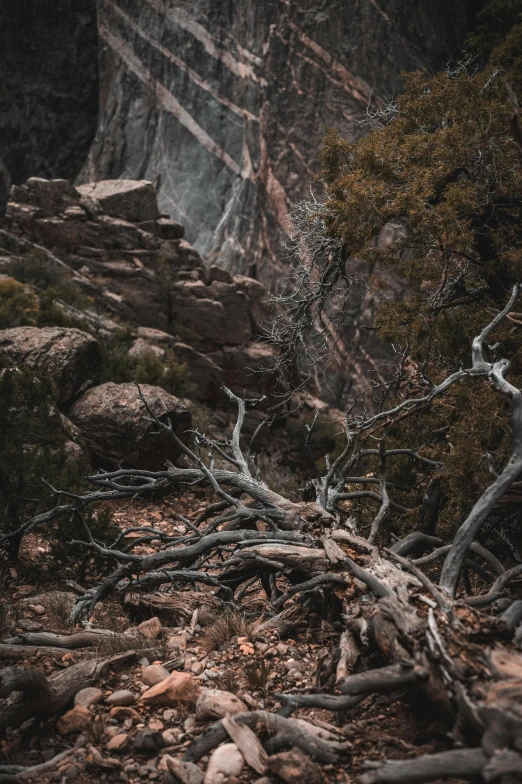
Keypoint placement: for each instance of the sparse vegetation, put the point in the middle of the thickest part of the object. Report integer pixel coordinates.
(228, 625)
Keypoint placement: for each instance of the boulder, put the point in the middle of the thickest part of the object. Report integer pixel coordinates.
(218, 273)
(295, 767)
(122, 697)
(153, 674)
(178, 687)
(141, 348)
(132, 200)
(224, 762)
(156, 336)
(148, 742)
(50, 196)
(184, 772)
(71, 356)
(236, 307)
(124, 713)
(169, 229)
(215, 703)
(259, 306)
(113, 421)
(78, 719)
(151, 628)
(118, 742)
(245, 369)
(88, 696)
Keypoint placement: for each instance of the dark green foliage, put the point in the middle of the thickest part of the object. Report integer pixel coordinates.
(443, 177)
(33, 448)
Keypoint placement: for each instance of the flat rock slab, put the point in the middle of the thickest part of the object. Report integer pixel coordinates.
(131, 200)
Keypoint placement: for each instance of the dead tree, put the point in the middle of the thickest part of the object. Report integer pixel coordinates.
(429, 632)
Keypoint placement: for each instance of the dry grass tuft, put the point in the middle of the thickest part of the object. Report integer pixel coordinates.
(58, 614)
(111, 644)
(229, 682)
(226, 626)
(257, 675)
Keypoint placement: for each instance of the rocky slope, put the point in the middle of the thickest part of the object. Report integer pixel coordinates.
(95, 283)
(223, 105)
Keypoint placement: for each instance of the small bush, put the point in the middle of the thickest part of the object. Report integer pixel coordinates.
(172, 376)
(18, 306)
(33, 448)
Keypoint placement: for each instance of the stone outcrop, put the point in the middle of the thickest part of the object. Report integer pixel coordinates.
(130, 200)
(113, 421)
(72, 357)
(224, 105)
(131, 267)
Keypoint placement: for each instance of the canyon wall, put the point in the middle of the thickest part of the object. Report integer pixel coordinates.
(223, 103)
(48, 88)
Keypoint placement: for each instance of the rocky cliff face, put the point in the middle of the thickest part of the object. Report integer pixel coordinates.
(48, 88)
(223, 104)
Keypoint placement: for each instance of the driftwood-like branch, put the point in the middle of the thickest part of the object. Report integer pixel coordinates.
(392, 678)
(461, 763)
(261, 722)
(468, 530)
(15, 774)
(70, 641)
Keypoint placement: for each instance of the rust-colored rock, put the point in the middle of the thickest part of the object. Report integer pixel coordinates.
(78, 719)
(113, 421)
(151, 628)
(294, 767)
(178, 687)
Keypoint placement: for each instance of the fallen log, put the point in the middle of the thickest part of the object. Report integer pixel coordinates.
(173, 607)
(43, 696)
(429, 767)
(27, 651)
(83, 639)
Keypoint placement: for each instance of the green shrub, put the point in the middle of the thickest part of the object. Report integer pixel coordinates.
(18, 306)
(33, 449)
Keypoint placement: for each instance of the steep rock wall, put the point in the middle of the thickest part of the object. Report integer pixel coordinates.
(223, 103)
(48, 88)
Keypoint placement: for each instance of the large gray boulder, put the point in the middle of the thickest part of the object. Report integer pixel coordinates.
(114, 423)
(71, 356)
(132, 200)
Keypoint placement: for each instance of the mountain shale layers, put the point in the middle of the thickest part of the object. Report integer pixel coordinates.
(223, 104)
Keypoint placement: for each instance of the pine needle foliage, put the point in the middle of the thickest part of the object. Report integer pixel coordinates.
(432, 195)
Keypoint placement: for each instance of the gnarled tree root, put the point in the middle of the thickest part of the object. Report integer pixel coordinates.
(285, 730)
